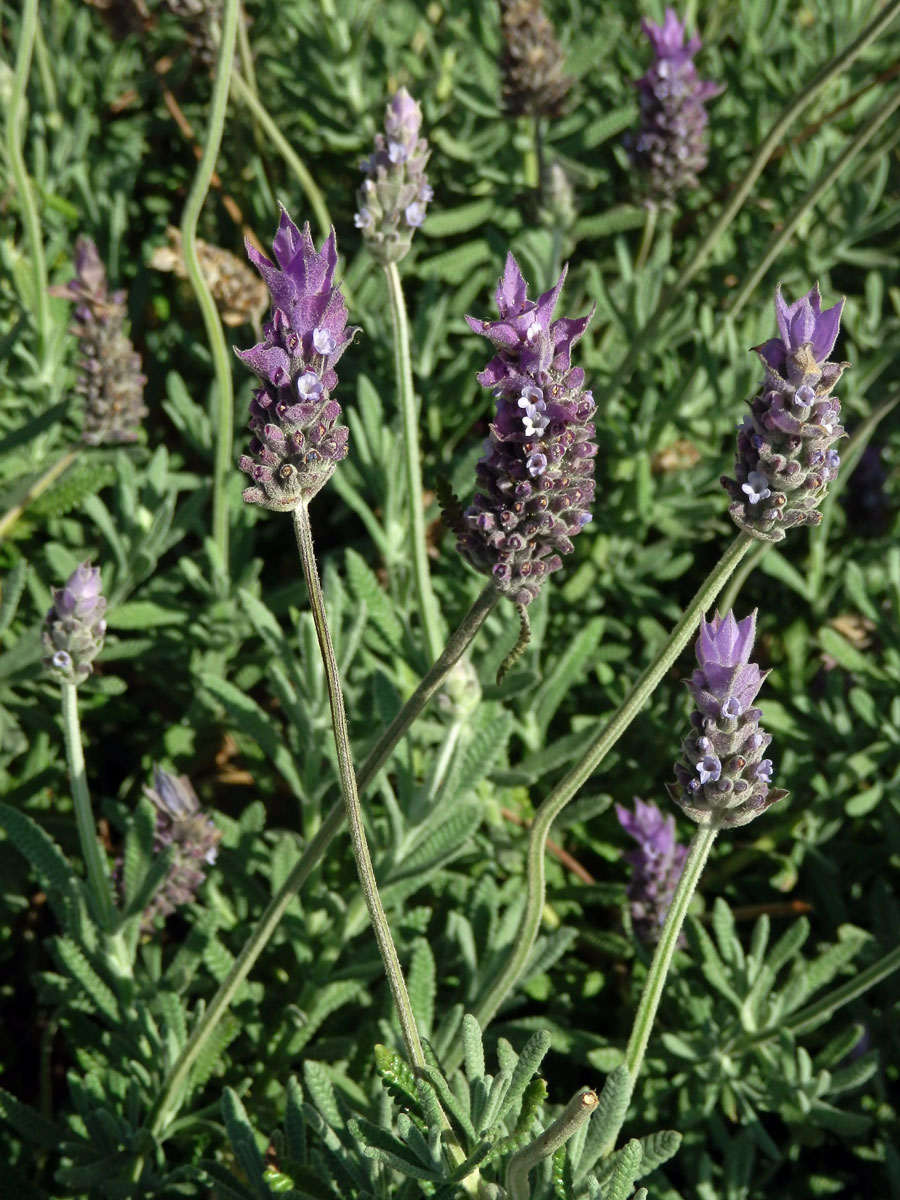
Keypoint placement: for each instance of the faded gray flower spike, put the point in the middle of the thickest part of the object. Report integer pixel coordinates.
(785, 456)
(395, 193)
(534, 82)
(192, 835)
(75, 626)
(111, 381)
(723, 779)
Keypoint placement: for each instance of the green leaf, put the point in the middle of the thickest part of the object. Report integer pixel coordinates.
(567, 667)
(144, 614)
(473, 1048)
(608, 1118)
(421, 983)
(243, 1140)
(451, 221)
(50, 864)
(367, 590)
(82, 971)
(526, 1065)
(28, 1123)
(627, 1169)
(12, 588)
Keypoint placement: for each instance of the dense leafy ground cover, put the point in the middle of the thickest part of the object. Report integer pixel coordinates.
(779, 1072)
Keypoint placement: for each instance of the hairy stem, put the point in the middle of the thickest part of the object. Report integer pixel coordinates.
(223, 465)
(9, 518)
(248, 96)
(172, 1093)
(409, 421)
(15, 118)
(606, 738)
(97, 870)
(352, 806)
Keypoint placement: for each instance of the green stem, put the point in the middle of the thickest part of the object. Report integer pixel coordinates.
(169, 1100)
(647, 240)
(97, 871)
(15, 117)
(606, 738)
(698, 853)
(741, 575)
(653, 327)
(245, 93)
(409, 421)
(811, 1016)
(377, 915)
(857, 143)
(9, 518)
(573, 1116)
(223, 465)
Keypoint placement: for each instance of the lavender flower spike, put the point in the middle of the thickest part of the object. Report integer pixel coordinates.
(723, 779)
(193, 836)
(74, 629)
(537, 472)
(395, 193)
(670, 146)
(110, 381)
(657, 866)
(785, 459)
(296, 445)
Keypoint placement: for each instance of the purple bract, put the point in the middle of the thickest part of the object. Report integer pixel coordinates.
(785, 459)
(537, 471)
(723, 779)
(296, 445)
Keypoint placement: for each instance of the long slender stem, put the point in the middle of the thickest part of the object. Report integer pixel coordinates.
(39, 486)
(97, 872)
(15, 116)
(861, 138)
(573, 1116)
(377, 915)
(698, 853)
(169, 1099)
(606, 738)
(409, 420)
(647, 239)
(223, 465)
(316, 201)
(767, 147)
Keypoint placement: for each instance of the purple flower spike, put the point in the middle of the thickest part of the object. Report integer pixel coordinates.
(193, 837)
(111, 381)
(723, 779)
(395, 192)
(784, 459)
(532, 62)
(75, 626)
(670, 146)
(657, 866)
(296, 445)
(537, 473)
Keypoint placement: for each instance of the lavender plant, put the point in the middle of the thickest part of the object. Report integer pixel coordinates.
(670, 148)
(111, 381)
(785, 458)
(296, 443)
(75, 626)
(537, 470)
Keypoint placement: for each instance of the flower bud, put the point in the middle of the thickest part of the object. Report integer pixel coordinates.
(74, 628)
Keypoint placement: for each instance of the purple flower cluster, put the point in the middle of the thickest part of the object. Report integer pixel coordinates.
(657, 866)
(296, 445)
(394, 195)
(75, 626)
(537, 472)
(192, 835)
(785, 458)
(670, 146)
(110, 380)
(723, 779)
